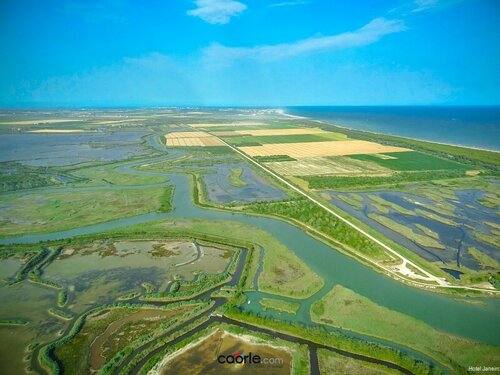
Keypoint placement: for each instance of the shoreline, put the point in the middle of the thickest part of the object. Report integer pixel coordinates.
(282, 112)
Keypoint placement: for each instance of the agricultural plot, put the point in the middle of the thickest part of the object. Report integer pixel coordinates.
(314, 149)
(410, 161)
(216, 125)
(338, 165)
(289, 138)
(246, 127)
(264, 132)
(192, 139)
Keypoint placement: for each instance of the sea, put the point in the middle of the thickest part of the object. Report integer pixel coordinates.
(472, 126)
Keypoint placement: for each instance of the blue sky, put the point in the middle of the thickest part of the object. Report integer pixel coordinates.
(249, 52)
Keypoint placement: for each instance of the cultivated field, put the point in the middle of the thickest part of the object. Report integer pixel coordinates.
(190, 139)
(212, 125)
(314, 149)
(338, 165)
(261, 132)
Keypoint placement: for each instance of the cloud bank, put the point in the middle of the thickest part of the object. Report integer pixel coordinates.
(217, 54)
(217, 12)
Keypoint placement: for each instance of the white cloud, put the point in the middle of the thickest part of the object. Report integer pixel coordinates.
(217, 11)
(427, 5)
(422, 5)
(288, 3)
(373, 31)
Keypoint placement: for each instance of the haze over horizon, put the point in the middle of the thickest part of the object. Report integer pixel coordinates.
(248, 53)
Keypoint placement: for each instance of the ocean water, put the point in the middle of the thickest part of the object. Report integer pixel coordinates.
(467, 126)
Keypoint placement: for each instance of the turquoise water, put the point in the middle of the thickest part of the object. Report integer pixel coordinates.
(468, 126)
(478, 322)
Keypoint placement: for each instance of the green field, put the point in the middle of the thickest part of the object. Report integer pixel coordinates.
(246, 140)
(412, 161)
(342, 307)
(273, 158)
(57, 211)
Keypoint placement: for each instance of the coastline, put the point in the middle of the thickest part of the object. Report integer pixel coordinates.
(282, 112)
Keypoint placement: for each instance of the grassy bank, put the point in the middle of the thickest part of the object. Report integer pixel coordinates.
(342, 307)
(279, 305)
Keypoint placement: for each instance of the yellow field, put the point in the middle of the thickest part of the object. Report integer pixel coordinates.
(263, 132)
(339, 166)
(192, 139)
(212, 125)
(314, 149)
(188, 135)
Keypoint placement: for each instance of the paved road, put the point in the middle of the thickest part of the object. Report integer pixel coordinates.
(441, 282)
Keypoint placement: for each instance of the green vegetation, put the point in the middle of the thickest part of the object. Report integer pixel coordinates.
(61, 314)
(339, 182)
(109, 174)
(56, 211)
(489, 238)
(389, 205)
(235, 178)
(333, 363)
(412, 161)
(350, 200)
(35, 277)
(13, 322)
(283, 272)
(25, 180)
(304, 211)
(279, 305)
(62, 298)
(253, 140)
(436, 217)
(407, 232)
(320, 335)
(342, 307)
(484, 259)
(429, 232)
(272, 158)
(201, 284)
(88, 326)
(490, 200)
(166, 199)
